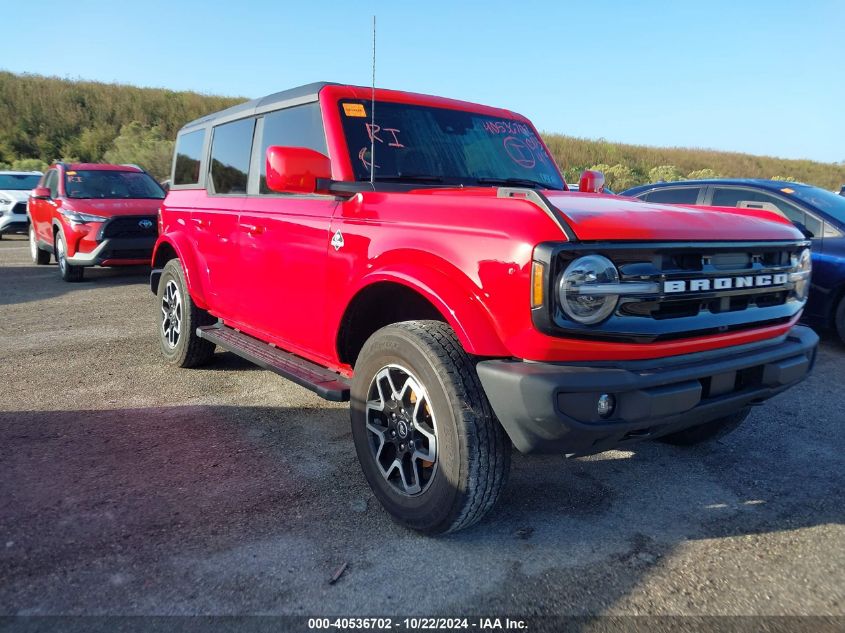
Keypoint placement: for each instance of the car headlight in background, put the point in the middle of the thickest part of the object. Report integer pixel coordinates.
(802, 266)
(4, 200)
(81, 218)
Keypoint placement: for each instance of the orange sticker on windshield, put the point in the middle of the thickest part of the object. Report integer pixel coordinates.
(71, 173)
(788, 190)
(354, 109)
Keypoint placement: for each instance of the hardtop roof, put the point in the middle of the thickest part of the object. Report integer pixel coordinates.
(310, 93)
(300, 94)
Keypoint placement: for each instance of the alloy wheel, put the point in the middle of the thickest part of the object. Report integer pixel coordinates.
(402, 430)
(171, 314)
(60, 253)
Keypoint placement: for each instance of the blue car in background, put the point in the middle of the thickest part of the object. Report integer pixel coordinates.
(820, 215)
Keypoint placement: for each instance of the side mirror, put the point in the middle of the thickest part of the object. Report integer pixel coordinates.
(41, 193)
(803, 228)
(591, 182)
(165, 184)
(296, 169)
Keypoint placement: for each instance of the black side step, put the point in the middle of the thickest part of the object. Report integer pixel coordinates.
(320, 380)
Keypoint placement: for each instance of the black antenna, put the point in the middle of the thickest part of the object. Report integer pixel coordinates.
(373, 113)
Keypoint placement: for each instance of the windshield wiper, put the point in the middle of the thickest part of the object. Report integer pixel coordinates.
(410, 178)
(516, 182)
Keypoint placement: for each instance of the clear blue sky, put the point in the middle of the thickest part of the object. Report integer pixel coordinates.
(766, 77)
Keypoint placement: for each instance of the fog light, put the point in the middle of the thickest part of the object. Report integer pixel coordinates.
(606, 405)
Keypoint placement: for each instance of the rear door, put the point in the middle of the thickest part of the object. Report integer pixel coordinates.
(284, 239)
(215, 225)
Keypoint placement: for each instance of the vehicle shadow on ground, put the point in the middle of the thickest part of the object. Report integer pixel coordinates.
(25, 283)
(131, 510)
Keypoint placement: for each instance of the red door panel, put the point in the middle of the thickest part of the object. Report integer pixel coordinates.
(215, 231)
(283, 248)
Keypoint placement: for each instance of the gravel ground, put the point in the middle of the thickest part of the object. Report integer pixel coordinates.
(128, 487)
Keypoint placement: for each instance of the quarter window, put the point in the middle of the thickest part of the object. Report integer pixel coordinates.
(188, 158)
(300, 126)
(674, 195)
(231, 146)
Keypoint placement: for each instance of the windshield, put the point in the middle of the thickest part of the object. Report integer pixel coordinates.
(20, 182)
(825, 201)
(97, 183)
(423, 144)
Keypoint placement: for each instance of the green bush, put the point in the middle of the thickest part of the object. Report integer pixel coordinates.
(665, 173)
(703, 174)
(46, 118)
(143, 146)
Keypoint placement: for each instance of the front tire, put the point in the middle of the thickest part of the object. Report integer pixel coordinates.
(426, 437)
(839, 319)
(707, 432)
(39, 257)
(178, 320)
(68, 271)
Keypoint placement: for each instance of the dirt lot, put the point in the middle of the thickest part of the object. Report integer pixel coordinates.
(127, 487)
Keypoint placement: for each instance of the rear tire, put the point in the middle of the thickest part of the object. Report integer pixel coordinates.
(39, 256)
(178, 320)
(707, 432)
(68, 271)
(427, 440)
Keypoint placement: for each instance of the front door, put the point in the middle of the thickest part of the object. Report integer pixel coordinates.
(284, 242)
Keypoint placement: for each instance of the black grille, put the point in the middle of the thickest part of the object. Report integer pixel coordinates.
(129, 253)
(130, 226)
(20, 207)
(750, 259)
(664, 316)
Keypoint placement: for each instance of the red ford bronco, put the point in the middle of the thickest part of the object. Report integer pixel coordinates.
(423, 258)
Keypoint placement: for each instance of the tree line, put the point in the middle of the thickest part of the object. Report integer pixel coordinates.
(43, 119)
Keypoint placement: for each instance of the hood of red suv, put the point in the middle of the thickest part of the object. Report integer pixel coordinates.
(604, 217)
(595, 217)
(109, 207)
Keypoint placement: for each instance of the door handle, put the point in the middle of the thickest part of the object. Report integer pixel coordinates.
(252, 229)
(199, 222)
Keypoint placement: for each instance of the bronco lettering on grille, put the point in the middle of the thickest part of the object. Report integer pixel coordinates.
(724, 283)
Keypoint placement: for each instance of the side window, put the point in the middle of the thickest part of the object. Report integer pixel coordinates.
(674, 195)
(188, 158)
(52, 183)
(231, 145)
(299, 126)
(750, 199)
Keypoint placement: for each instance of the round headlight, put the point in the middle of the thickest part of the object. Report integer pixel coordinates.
(580, 289)
(802, 265)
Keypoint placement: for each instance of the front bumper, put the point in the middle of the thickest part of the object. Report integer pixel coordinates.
(14, 223)
(129, 251)
(550, 407)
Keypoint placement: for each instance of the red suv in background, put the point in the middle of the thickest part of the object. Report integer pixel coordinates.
(93, 215)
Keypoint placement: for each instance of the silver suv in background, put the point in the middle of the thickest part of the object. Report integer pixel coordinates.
(14, 192)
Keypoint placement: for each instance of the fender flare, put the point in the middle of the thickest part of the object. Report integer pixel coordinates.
(181, 245)
(460, 306)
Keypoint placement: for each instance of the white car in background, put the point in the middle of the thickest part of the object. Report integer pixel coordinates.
(14, 192)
